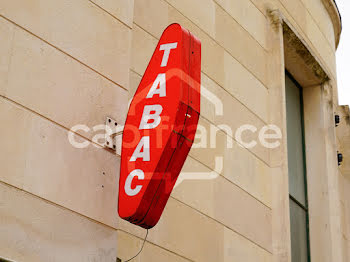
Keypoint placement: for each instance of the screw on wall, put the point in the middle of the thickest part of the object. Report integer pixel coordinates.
(113, 135)
(340, 158)
(337, 120)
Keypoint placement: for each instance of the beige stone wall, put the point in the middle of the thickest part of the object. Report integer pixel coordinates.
(343, 142)
(76, 62)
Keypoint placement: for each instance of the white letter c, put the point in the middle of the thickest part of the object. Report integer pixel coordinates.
(127, 187)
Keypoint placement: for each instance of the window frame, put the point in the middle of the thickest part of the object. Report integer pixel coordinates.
(306, 207)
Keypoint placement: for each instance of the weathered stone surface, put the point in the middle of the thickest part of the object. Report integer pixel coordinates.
(200, 12)
(143, 45)
(202, 239)
(209, 197)
(68, 62)
(154, 24)
(80, 29)
(248, 16)
(234, 39)
(42, 161)
(58, 87)
(6, 33)
(129, 245)
(121, 9)
(32, 230)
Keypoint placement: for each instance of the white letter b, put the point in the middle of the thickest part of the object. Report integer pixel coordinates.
(155, 116)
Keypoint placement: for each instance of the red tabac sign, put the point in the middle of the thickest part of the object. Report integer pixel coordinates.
(160, 127)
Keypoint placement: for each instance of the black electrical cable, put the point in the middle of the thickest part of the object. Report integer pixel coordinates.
(144, 241)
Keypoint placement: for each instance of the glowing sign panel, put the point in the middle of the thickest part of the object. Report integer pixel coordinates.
(160, 127)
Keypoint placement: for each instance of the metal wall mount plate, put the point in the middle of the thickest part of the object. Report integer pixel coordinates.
(113, 135)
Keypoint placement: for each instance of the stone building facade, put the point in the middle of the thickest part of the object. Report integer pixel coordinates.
(65, 63)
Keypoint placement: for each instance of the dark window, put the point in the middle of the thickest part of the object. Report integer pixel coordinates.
(299, 221)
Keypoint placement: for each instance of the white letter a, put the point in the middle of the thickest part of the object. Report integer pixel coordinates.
(145, 155)
(161, 91)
